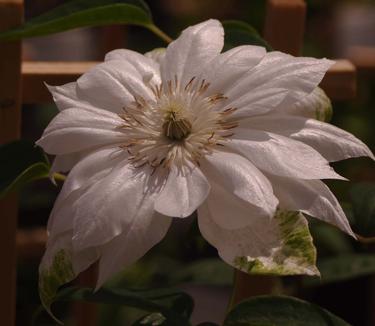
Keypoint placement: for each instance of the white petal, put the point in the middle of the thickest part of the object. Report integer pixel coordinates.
(88, 171)
(61, 265)
(64, 163)
(73, 130)
(113, 84)
(230, 211)
(280, 155)
(312, 197)
(157, 55)
(66, 97)
(140, 236)
(189, 54)
(263, 247)
(228, 67)
(240, 177)
(183, 192)
(108, 207)
(279, 77)
(331, 142)
(316, 105)
(144, 65)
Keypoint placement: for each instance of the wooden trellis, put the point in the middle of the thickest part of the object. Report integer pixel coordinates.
(22, 82)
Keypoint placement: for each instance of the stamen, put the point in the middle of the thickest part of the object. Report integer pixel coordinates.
(178, 126)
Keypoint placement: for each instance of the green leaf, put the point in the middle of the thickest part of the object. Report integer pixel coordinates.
(21, 163)
(173, 305)
(363, 206)
(240, 33)
(343, 268)
(329, 240)
(84, 13)
(280, 311)
(154, 319)
(210, 271)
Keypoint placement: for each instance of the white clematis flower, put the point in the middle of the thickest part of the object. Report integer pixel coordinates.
(232, 135)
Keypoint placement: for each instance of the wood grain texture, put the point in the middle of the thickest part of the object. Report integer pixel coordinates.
(11, 15)
(285, 25)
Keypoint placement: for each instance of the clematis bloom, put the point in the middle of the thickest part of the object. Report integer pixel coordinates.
(152, 137)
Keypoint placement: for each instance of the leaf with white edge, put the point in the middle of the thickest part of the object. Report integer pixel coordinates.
(59, 272)
(84, 13)
(21, 162)
(292, 250)
(240, 33)
(363, 207)
(280, 311)
(316, 105)
(342, 268)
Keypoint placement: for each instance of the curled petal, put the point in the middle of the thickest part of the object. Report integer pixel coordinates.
(280, 155)
(183, 192)
(312, 197)
(74, 130)
(333, 143)
(278, 78)
(113, 84)
(239, 177)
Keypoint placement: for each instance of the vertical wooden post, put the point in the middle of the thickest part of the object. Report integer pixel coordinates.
(11, 15)
(285, 25)
(86, 314)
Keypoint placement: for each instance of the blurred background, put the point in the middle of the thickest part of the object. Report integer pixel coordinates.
(334, 29)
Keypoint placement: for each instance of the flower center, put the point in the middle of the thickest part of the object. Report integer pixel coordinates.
(180, 125)
(176, 127)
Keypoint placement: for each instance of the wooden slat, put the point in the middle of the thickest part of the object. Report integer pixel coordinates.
(35, 74)
(285, 25)
(31, 243)
(340, 83)
(363, 58)
(11, 15)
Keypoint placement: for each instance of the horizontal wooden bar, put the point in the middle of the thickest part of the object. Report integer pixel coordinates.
(363, 58)
(340, 82)
(31, 243)
(285, 25)
(35, 74)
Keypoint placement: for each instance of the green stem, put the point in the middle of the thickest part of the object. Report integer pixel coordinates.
(59, 176)
(231, 302)
(156, 30)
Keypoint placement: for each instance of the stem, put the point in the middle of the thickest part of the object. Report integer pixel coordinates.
(156, 30)
(59, 177)
(365, 240)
